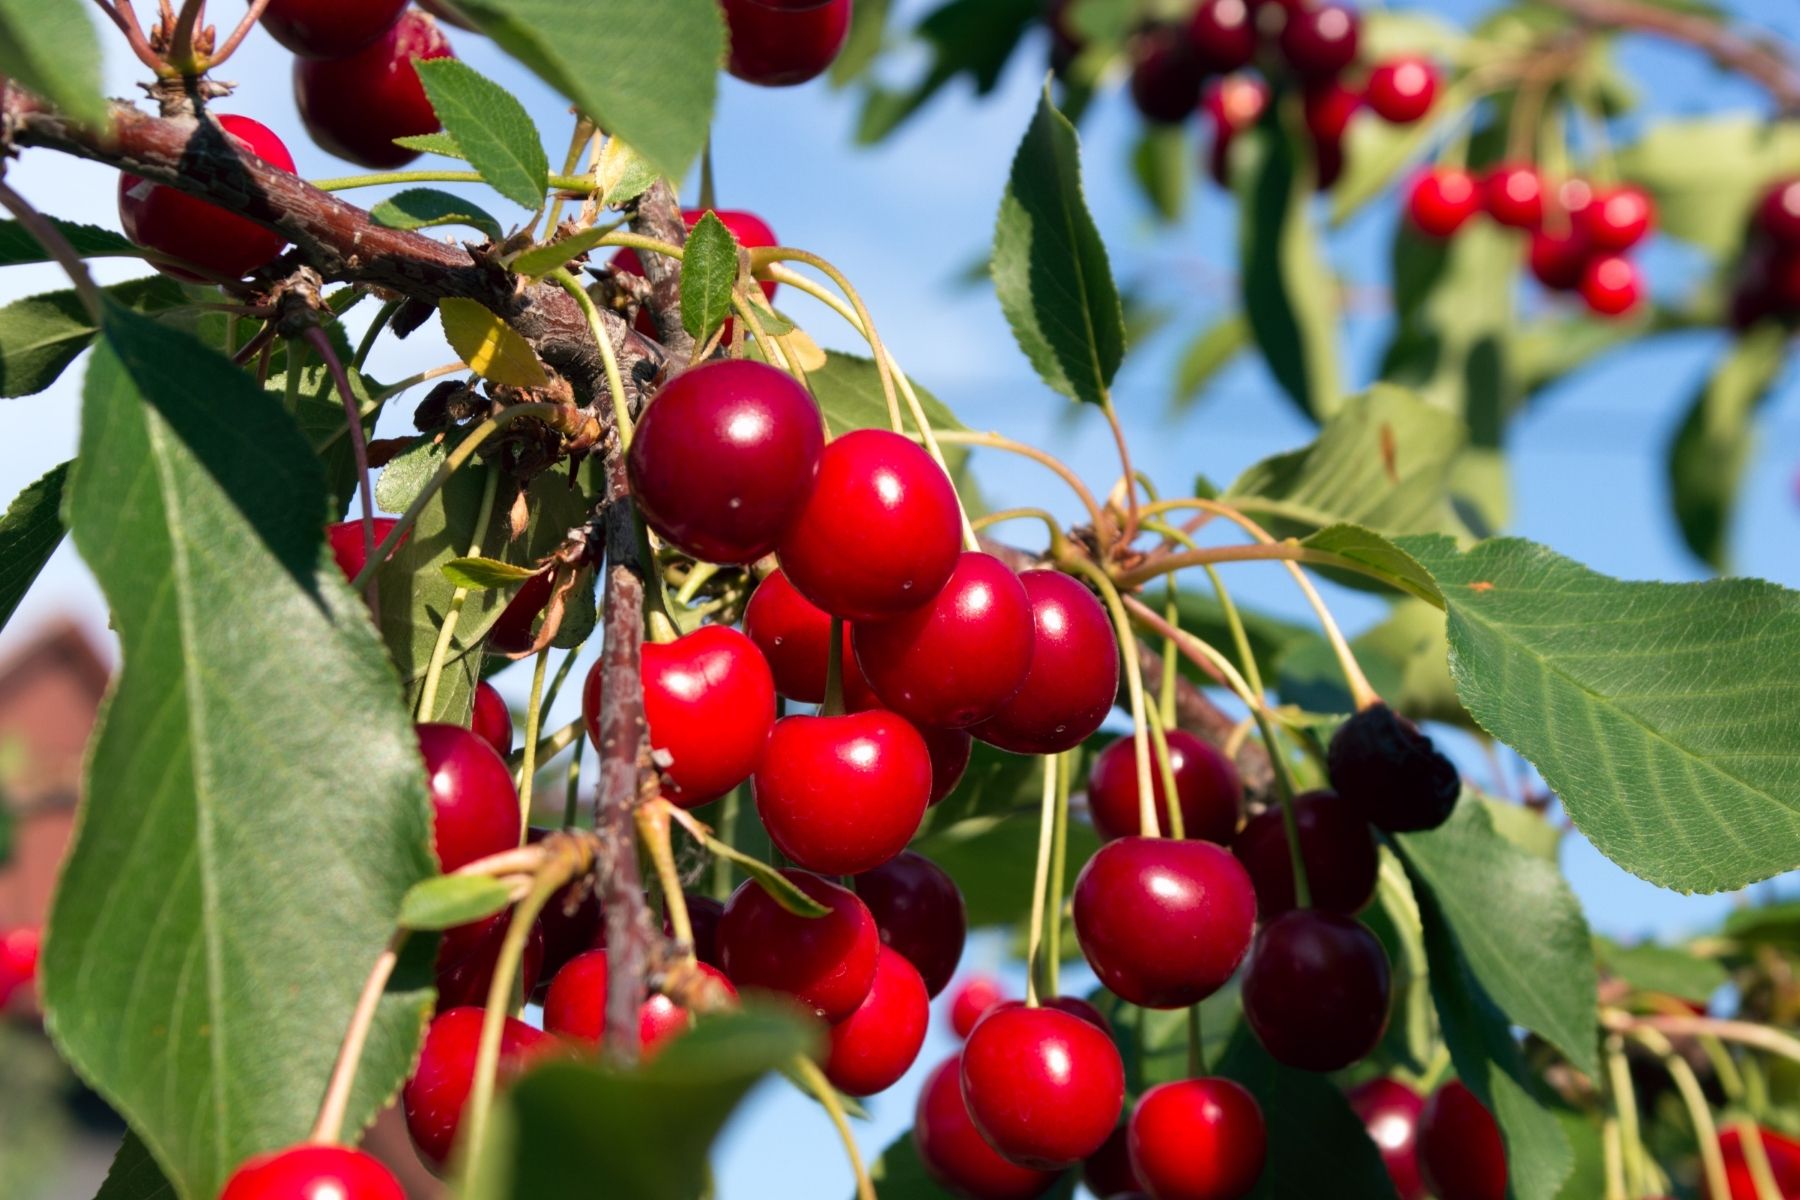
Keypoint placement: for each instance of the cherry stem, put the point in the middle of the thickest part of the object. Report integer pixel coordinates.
(771, 349)
(556, 681)
(1624, 1099)
(125, 18)
(1059, 867)
(1744, 1032)
(572, 798)
(499, 1005)
(653, 833)
(1290, 825)
(1756, 1157)
(1613, 1153)
(58, 248)
(580, 138)
(1040, 884)
(1171, 665)
(1134, 679)
(238, 35)
(1706, 1133)
(562, 183)
(1129, 475)
(181, 43)
(1058, 543)
(440, 650)
(1197, 651)
(827, 1097)
(834, 672)
(998, 441)
(609, 359)
(1196, 1046)
(359, 446)
(1233, 619)
(328, 1127)
(534, 715)
(548, 746)
(376, 328)
(1165, 769)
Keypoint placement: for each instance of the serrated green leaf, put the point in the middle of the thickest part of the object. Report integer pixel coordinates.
(451, 900)
(541, 260)
(1050, 267)
(975, 38)
(50, 47)
(439, 143)
(1377, 556)
(1208, 352)
(481, 574)
(1162, 162)
(90, 241)
(134, 1174)
(491, 128)
(709, 269)
(41, 335)
(424, 208)
(990, 856)
(491, 348)
(1411, 1037)
(408, 472)
(848, 389)
(30, 532)
(1665, 969)
(318, 409)
(1707, 172)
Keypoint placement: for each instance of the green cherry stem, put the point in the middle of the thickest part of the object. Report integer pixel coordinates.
(577, 184)
(499, 1004)
(1757, 1159)
(653, 835)
(434, 670)
(572, 797)
(328, 1127)
(1624, 1101)
(827, 1097)
(534, 715)
(1196, 1045)
(562, 674)
(609, 359)
(373, 334)
(1059, 867)
(1040, 884)
(1284, 788)
(998, 441)
(58, 248)
(548, 746)
(834, 672)
(1165, 770)
(1706, 1133)
(1134, 679)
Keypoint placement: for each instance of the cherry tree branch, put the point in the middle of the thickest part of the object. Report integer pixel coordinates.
(1758, 59)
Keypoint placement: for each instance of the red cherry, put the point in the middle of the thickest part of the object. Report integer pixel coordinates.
(354, 107)
(951, 750)
(1514, 196)
(1198, 1139)
(709, 701)
(919, 911)
(348, 548)
(514, 631)
(778, 43)
(880, 533)
(313, 1173)
(1235, 103)
(1045, 1088)
(874, 1046)
(1316, 992)
(794, 634)
(1779, 285)
(1206, 786)
(1779, 213)
(475, 808)
(1618, 218)
(19, 959)
(439, 1088)
(329, 28)
(1328, 106)
(1390, 1110)
(1461, 1153)
(1337, 845)
(1401, 90)
(703, 917)
(723, 459)
(1164, 923)
(1166, 75)
(569, 923)
(1320, 42)
(972, 1001)
(1783, 1154)
(955, 1154)
(828, 962)
(1328, 163)
(1222, 35)
(576, 1006)
(217, 241)
(1074, 675)
(1108, 1170)
(468, 954)
(843, 794)
(1612, 285)
(492, 720)
(1558, 259)
(1441, 200)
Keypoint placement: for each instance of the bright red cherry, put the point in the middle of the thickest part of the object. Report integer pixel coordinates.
(1108, 1171)
(475, 808)
(514, 631)
(1164, 923)
(1514, 195)
(874, 1046)
(954, 660)
(1618, 218)
(354, 107)
(1044, 1087)
(19, 959)
(1401, 90)
(439, 1088)
(1442, 199)
(1779, 213)
(778, 43)
(492, 720)
(1166, 75)
(724, 457)
(468, 954)
(1336, 844)
(794, 634)
(954, 1152)
(219, 242)
(575, 1007)
(1222, 35)
(329, 28)
(1783, 1154)
(1234, 103)
(1316, 992)
(880, 533)
(843, 794)
(919, 911)
(1320, 42)
(1612, 285)
(827, 963)
(1198, 1139)
(1461, 1153)
(349, 550)
(1558, 259)
(1206, 786)
(972, 1002)
(1390, 1110)
(313, 1173)
(1074, 675)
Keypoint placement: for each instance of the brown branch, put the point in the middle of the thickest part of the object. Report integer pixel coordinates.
(658, 216)
(1758, 59)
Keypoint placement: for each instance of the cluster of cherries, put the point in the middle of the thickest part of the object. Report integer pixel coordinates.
(1768, 282)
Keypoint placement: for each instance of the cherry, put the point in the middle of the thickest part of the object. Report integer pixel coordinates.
(1328, 107)
(1319, 42)
(956, 1155)
(1514, 195)
(1075, 1006)
(355, 106)
(1045, 1088)
(439, 1088)
(576, 1006)
(709, 702)
(1073, 679)
(828, 962)
(1342, 860)
(1612, 285)
(919, 912)
(514, 631)
(313, 1173)
(1380, 762)
(1780, 284)
(874, 1046)
(972, 1002)
(1779, 213)
(1164, 923)
(1108, 1170)
(778, 43)
(1166, 75)
(1206, 786)
(1234, 103)
(953, 661)
(1222, 35)
(723, 459)
(880, 533)
(951, 750)
(18, 960)
(1390, 1110)
(1557, 259)
(349, 550)
(492, 720)
(570, 921)
(1783, 1154)
(794, 634)
(843, 794)
(1316, 991)
(1441, 200)
(468, 954)
(217, 241)
(703, 918)
(329, 28)
(1618, 218)
(1461, 1153)
(1401, 90)
(475, 808)
(1198, 1139)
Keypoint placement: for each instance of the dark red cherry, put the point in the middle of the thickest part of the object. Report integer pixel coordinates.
(1166, 75)
(1618, 218)
(1164, 923)
(724, 457)
(794, 634)
(1319, 42)
(348, 547)
(1612, 285)
(313, 1173)
(1045, 1088)
(475, 808)
(827, 963)
(570, 921)
(354, 107)
(1198, 1139)
(778, 43)
(955, 1154)
(1783, 1154)
(880, 533)
(1108, 1171)
(468, 954)
(1442, 199)
(439, 1088)
(1390, 1110)
(1222, 34)
(1235, 103)
(703, 917)
(1513, 194)
(1386, 767)
(171, 222)
(514, 631)
(845, 794)
(874, 1046)
(1328, 106)
(1401, 90)
(1074, 675)
(1075, 1006)
(972, 1001)
(950, 751)
(1336, 844)
(1206, 786)
(919, 911)
(1316, 991)
(1461, 1153)
(576, 1006)
(1779, 213)
(1558, 259)
(492, 720)
(329, 28)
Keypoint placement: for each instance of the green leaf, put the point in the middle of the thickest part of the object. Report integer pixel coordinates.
(1154, 1042)
(709, 269)
(541, 260)
(868, 27)
(209, 810)
(975, 38)
(990, 856)
(30, 532)
(780, 888)
(491, 348)
(481, 574)
(1050, 267)
(848, 389)
(424, 208)
(439, 143)
(490, 127)
(407, 473)
(49, 47)
(317, 408)
(1210, 351)
(90, 241)
(1707, 172)
(1666, 717)
(1411, 1037)
(1162, 162)
(1526, 828)
(1666, 969)
(1775, 924)
(645, 72)
(451, 900)
(41, 335)
(134, 1174)
(624, 175)
(1377, 556)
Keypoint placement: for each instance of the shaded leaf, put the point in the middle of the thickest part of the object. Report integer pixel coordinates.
(30, 532)
(1377, 556)
(407, 473)
(89, 241)
(439, 143)
(134, 1174)
(975, 38)
(624, 175)
(899, 1174)
(424, 208)
(868, 29)
(1162, 163)
(41, 335)
(709, 270)
(1210, 351)
(1707, 172)
(450, 900)
(1666, 969)
(541, 260)
(491, 348)
(49, 47)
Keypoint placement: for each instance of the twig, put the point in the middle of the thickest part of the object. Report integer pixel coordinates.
(122, 15)
(359, 446)
(1752, 57)
(329, 1126)
(239, 34)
